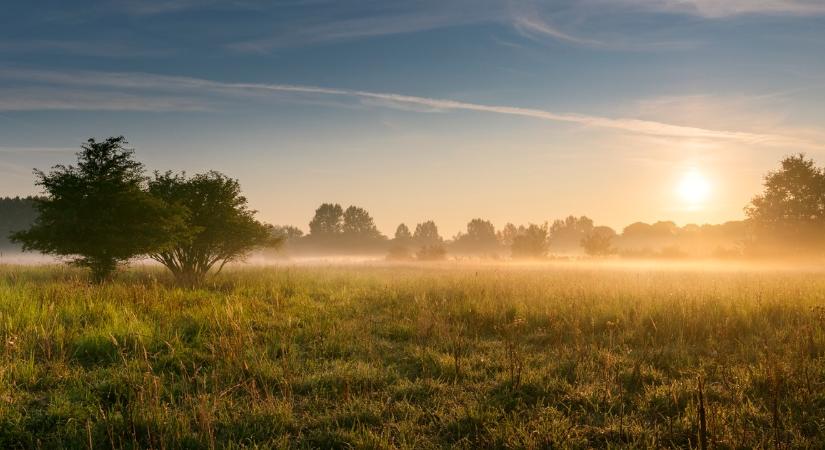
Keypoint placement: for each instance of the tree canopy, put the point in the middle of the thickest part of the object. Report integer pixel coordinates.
(530, 242)
(220, 227)
(426, 233)
(480, 238)
(789, 214)
(97, 213)
(599, 241)
(328, 221)
(402, 234)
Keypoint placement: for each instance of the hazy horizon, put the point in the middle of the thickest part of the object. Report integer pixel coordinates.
(623, 111)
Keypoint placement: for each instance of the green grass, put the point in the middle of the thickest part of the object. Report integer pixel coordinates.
(412, 357)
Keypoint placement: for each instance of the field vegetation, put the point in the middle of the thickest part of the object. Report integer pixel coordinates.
(413, 356)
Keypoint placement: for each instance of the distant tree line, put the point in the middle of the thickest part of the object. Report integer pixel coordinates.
(788, 218)
(334, 230)
(16, 213)
(106, 211)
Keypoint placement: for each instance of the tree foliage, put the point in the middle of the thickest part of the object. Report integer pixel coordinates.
(599, 241)
(530, 242)
(566, 235)
(358, 225)
(790, 213)
(328, 221)
(402, 234)
(480, 238)
(220, 228)
(97, 213)
(426, 233)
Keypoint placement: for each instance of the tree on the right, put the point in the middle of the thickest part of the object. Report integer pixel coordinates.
(789, 215)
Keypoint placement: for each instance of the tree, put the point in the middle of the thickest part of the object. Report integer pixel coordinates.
(790, 212)
(599, 242)
(530, 242)
(328, 221)
(220, 226)
(479, 238)
(287, 232)
(402, 234)
(97, 213)
(358, 224)
(566, 235)
(426, 233)
(400, 248)
(507, 235)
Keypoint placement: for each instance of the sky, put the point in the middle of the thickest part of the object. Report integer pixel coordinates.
(514, 111)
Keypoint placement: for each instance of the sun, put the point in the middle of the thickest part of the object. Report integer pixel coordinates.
(694, 188)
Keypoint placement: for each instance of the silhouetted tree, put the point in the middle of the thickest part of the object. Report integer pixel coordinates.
(507, 235)
(566, 235)
(328, 221)
(426, 233)
(480, 238)
(790, 212)
(358, 225)
(646, 237)
(97, 213)
(220, 226)
(599, 242)
(287, 232)
(400, 247)
(530, 242)
(402, 234)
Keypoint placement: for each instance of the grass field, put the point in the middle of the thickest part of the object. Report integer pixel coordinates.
(413, 357)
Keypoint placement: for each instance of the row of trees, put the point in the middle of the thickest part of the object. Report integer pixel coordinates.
(334, 229)
(105, 211)
(787, 218)
(16, 213)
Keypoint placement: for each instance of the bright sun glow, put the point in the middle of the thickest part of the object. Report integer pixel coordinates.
(694, 188)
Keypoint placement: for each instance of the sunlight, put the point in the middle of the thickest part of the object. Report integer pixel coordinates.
(694, 188)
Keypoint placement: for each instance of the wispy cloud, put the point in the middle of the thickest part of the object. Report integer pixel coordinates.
(197, 87)
(723, 8)
(376, 19)
(534, 25)
(55, 98)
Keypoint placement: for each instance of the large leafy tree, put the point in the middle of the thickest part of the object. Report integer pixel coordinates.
(599, 241)
(402, 234)
(479, 238)
(328, 221)
(565, 235)
(530, 242)
(220, 226)
(358, 224)
(426, 233)
(97, 213)
(789, 215)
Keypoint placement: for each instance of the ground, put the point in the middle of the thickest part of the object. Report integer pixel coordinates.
(417, 356)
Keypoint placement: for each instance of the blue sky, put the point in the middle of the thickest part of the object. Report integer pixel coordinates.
(519, 111)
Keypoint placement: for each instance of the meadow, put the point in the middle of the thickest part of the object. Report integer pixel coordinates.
(414, 356)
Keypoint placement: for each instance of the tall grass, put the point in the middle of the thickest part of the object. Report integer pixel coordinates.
(413, 357)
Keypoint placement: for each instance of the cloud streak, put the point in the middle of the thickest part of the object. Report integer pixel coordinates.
(199, 87)
(715, 9)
